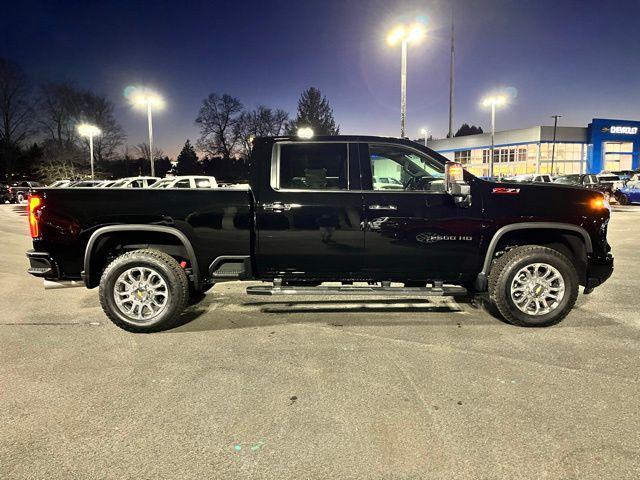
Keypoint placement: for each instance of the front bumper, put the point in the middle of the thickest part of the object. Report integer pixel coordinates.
(42, 265)
(599, 270)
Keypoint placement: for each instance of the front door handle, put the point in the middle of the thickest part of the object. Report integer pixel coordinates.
(279, 206)
(383, 207)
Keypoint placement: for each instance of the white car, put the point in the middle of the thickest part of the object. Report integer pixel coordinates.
(134, 182)
(530, 178)
(191, 181)
(60, 183)
(386, 183)
(611, 181)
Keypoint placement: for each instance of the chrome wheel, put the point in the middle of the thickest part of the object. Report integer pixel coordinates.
(141, 294)
(537, 289)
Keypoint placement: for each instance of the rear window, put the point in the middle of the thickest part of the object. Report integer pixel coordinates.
(313, 166)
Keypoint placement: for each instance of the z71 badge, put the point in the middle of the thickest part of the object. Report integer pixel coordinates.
(427, 237)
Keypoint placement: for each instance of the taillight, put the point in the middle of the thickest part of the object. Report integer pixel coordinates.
(35, 203)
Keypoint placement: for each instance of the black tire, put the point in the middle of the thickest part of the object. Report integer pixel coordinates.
(504, 270)
(167, 268)
(20, 198)
(623, 199)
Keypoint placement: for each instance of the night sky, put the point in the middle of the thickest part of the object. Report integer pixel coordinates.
(579, 59)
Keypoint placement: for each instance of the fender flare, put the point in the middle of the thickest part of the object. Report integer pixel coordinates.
(95, 236)
(481, 281)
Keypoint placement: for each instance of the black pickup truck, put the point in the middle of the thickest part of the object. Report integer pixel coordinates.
(313, 214)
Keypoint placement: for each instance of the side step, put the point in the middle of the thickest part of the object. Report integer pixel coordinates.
(436, 291)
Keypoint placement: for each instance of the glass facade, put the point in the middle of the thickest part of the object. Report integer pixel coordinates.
(522, 159)
(618, 156)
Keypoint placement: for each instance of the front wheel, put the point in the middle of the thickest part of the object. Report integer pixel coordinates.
(20, 198)
(533, 286)
(623, 199)
(144, 291)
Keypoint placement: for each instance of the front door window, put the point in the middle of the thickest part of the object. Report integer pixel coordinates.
(399, 168)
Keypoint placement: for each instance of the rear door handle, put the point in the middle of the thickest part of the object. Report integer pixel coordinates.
(279, 206)
(383, 207)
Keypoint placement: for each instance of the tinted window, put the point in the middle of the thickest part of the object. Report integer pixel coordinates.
(183, 184)
(313, 166)
(203, 183)
(136, 184)
(402, 168)
(151, 181)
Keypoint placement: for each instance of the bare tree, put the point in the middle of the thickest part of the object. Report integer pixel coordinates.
(15, 111)
(63, 106)
(60, 107)
(99, 111)
(142, 150)
(217, 120)
(261, 122)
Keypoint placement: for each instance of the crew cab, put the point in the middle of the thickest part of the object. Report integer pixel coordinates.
(313, 214)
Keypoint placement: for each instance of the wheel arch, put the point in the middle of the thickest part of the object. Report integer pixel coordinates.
(573, 238)
(90, 276)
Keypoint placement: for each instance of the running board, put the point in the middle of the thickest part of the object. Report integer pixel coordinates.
(444, 291)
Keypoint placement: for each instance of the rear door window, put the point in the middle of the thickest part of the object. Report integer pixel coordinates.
(312, 166)
(183, 184)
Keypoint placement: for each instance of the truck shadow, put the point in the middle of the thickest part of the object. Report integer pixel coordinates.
(206, 316)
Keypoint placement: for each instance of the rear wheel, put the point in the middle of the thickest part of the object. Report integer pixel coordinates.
(533, 286)
(20, 198)
(623, 199)
(144, 291)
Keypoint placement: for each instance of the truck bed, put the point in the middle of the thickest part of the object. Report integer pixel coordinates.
(216, 222)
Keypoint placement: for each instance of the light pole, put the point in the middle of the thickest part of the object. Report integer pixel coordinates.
(553, 145)
(405, 35)
(90, 131)
(148, 99)
(424, 132)
(493, 101)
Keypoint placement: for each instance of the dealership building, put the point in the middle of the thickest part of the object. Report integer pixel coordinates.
(602, 145)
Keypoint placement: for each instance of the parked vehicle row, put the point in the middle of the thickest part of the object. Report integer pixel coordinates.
(191, 181)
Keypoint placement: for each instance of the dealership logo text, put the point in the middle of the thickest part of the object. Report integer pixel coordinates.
(624, 130)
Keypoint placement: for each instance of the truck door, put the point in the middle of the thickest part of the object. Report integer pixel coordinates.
(414, 230)
(309, 213)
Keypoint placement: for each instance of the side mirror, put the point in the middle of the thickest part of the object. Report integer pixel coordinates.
(455, 184)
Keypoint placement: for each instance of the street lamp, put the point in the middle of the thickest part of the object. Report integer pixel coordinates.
(148, 99)
(86, 130)
(553, 147)
(493, 101)
(405, 35)
(424, 132)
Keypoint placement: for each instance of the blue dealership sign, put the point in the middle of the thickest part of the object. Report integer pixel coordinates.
(603, 130)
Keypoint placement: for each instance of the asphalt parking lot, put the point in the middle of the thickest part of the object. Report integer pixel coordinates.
(279, 388)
